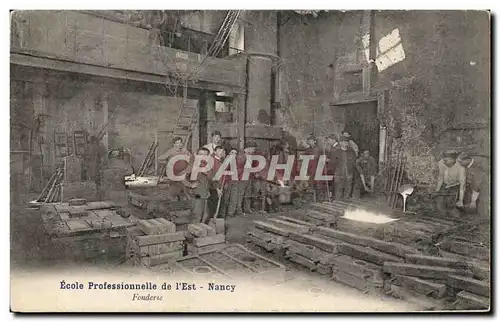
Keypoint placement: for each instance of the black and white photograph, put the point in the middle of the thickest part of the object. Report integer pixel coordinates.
(250, 161)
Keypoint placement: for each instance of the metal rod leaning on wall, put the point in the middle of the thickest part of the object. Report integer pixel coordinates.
(399, 180)
(392, 178)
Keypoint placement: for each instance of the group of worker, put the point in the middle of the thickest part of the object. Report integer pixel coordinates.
(224, 196)
(462, 178)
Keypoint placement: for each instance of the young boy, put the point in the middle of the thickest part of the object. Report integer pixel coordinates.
(201, 193)
(236, 188)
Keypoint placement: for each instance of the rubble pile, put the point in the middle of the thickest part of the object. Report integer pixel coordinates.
(367, 257)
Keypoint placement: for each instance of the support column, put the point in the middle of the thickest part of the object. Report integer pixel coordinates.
(258, 108)
(261, 46)
(239, 102)
(206, 111)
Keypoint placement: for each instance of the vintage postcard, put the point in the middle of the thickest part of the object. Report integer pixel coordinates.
(250, 161)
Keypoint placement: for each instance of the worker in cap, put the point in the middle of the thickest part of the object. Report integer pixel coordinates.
(250, 185)
(352, 144)
(475, 178)
(344, 160)
(451, 182)
(216, 140)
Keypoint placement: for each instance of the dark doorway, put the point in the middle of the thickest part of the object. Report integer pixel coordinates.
(362, 122)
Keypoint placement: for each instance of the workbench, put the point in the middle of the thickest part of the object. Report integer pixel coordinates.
(86, 232)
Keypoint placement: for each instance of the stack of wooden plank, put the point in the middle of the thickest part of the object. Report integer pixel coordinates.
(203, 238)
(430, 277)
(155, 203)
(154, 242)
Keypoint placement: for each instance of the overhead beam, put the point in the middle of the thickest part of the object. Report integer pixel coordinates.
(53, 63)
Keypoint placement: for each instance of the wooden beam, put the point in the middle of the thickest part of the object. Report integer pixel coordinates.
(469, 285)
(433, 272)
(65, 65)
(387, 247)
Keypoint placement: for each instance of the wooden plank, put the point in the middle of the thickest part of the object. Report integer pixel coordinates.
(469, 301)
(298, 259)
(428, 288)
(297, 221)
(272, 228)
(192, 249)
(169, 226)
(299, 228)
(467, 249)
(327, 210)
(355, 282)
(437, 261)
(433, 272)
(357, 267)
(162, 229)
(368, 254)
(162, 259)
(261, 243)
(320, 242)
(77, 202)
(469, 284)
(310, 252)
(159, 239)
(323, 269)
(148, 228)
(157, 249)
(260, 234)
(387, 247)
(209, 240)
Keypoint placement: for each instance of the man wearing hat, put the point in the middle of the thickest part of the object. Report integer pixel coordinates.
(475, 179)
(344, 159)
(352, 144)
(451, 180)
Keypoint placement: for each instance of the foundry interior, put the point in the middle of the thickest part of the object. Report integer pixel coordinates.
(397, 103)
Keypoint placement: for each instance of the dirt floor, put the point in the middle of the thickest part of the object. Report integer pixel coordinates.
(31, 249)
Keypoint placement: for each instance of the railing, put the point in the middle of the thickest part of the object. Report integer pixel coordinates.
(85, 38)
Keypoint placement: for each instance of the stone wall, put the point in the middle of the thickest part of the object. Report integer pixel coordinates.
(441, 80)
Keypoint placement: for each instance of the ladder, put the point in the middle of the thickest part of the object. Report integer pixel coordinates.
(186, 119)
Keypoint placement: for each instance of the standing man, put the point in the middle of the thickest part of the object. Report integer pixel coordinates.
(236, 188)
(344, 159)
(201, 193)
(180, 167)
(332, 142)
(219, 185)
(216, 141)
(249, 185)
(451, 180)
(93, 160)
(475, 178)
(315, 151)
(352, 144)
(367, 169)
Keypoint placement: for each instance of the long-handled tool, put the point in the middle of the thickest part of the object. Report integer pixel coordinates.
(220, 199)
(327, 184)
